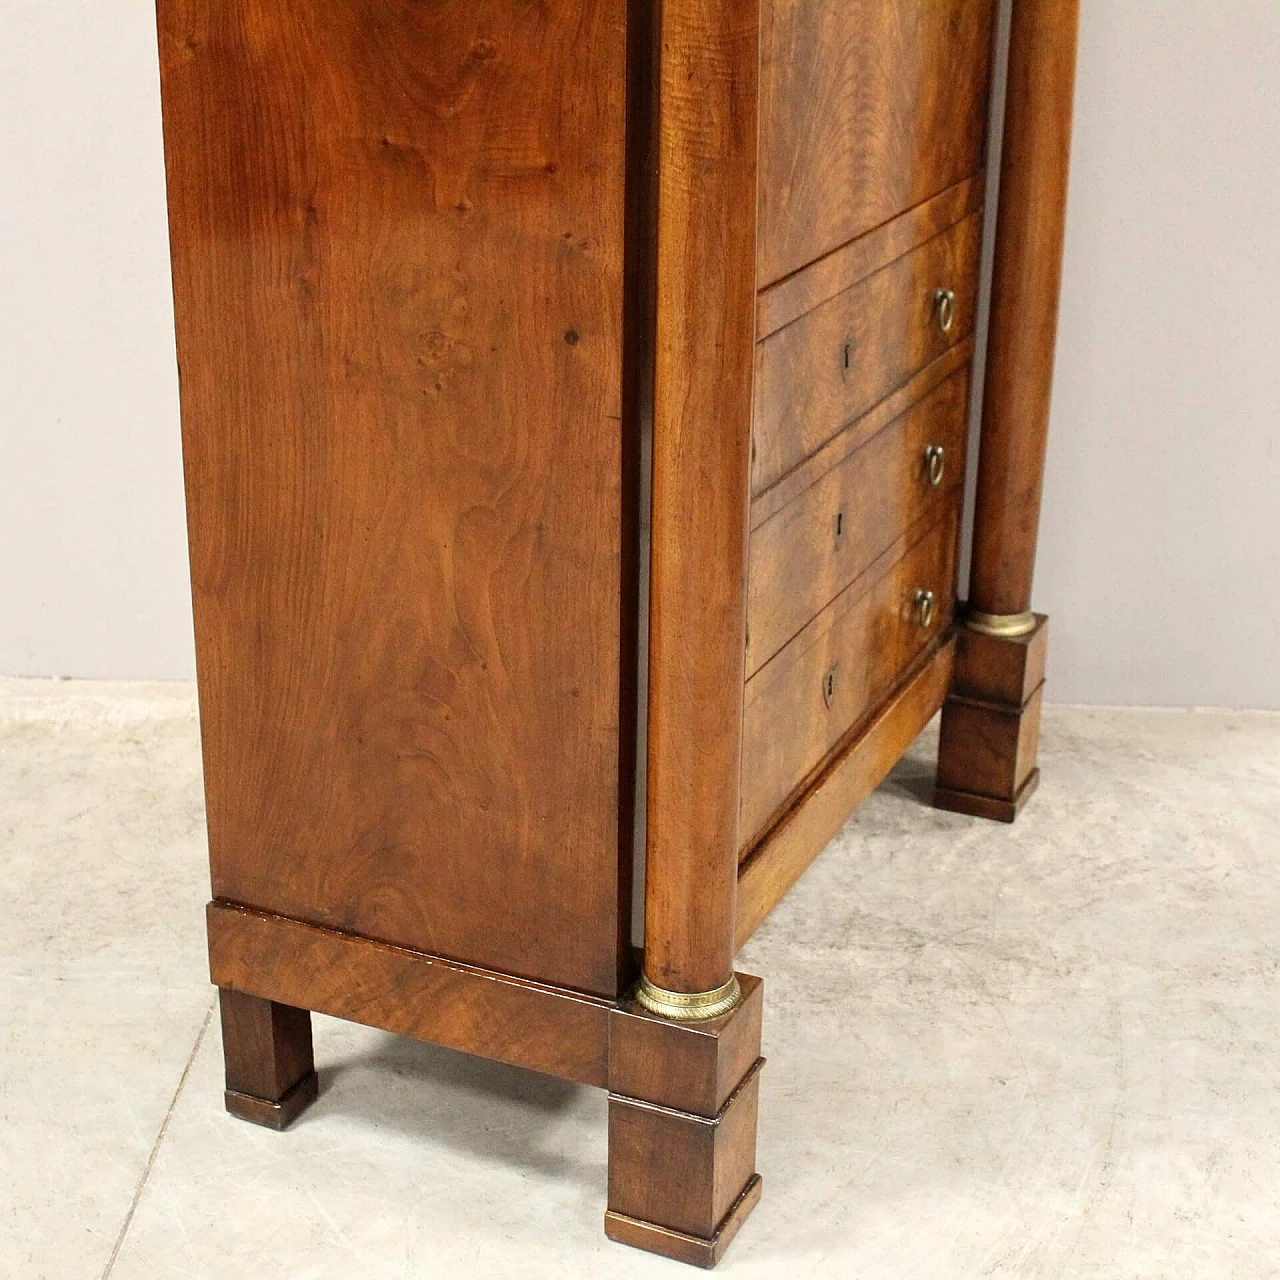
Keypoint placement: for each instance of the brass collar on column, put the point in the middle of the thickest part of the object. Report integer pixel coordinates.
(1002, 625)
(680, 1006)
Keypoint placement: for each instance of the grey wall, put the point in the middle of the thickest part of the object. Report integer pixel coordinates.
(92, 550)
(1161, 533)
(1160, 544)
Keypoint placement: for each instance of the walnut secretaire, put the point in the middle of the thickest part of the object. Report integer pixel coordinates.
(467, 292)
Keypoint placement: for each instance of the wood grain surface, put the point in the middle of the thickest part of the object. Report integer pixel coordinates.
(790, 298)
(813, 548)
(1025, 287)
(868, 108)
(829, 367)
(853, 773)
(864, 641)
(527, 1024)
(701, 456)
(398, 263)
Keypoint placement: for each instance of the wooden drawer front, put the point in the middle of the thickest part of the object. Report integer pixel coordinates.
(833, 673)
(830, 366)
(867, 108)
(806, 554)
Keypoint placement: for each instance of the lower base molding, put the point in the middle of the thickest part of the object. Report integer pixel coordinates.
(694, 1250)
(990, 807)
(274, 1115)
(683, 1096)
(498, 1016)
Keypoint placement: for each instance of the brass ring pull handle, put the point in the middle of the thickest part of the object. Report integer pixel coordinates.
(925, 607)
(944, 305)
(935, 464)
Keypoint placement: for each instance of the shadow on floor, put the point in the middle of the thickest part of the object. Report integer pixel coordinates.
(911, 780)
(443, 1098)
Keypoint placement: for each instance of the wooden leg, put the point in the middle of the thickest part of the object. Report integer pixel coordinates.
(991, 724)
(682, 1128)
(271, 1076)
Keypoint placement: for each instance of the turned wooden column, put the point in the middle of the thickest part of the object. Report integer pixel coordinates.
(684, 1056)
(703, 369)
(990, 726)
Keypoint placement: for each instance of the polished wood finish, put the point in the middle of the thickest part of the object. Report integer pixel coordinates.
(987, 755)
(271, 1075)
(804, 556)
(826, 369)
(1026, 282)
(683, 1101)
(991, 724)
(787, 300)
(1005, 670)
(691, 1066)
(398, 260)
(868, 108)
(527, 1024)
(797, 481)
(802, 704)
(788, 848)
(463, 292)
(701, 431)
(679, 1246)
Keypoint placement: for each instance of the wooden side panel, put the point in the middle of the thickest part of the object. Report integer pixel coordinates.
(868, 107)
(397, 249)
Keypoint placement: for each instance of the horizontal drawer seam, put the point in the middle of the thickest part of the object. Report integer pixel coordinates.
(774, 315)
(832, 612)
(846, 442)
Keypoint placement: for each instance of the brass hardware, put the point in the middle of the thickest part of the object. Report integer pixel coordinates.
(935, 464)
(925, 607)
(944, 304)
(679, 1006)
(829, 686)
(839, 527)
(1004, 626)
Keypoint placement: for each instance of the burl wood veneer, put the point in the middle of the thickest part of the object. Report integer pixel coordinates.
(466, 295)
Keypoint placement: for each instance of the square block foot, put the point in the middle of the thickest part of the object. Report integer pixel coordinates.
(992, 808)
(274, 1115)
(694, 1250)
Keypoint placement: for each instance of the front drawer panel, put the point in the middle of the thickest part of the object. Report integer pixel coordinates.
(830, 366)
(867, 108)
(806, 554)
(836, 670)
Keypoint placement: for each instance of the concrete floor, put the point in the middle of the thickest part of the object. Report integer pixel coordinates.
(1051, 1050)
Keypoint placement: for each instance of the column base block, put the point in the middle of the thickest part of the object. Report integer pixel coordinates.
(694, 1250)
(274, 1115)
(993, 808)
(683, 1100)
(990, 733)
